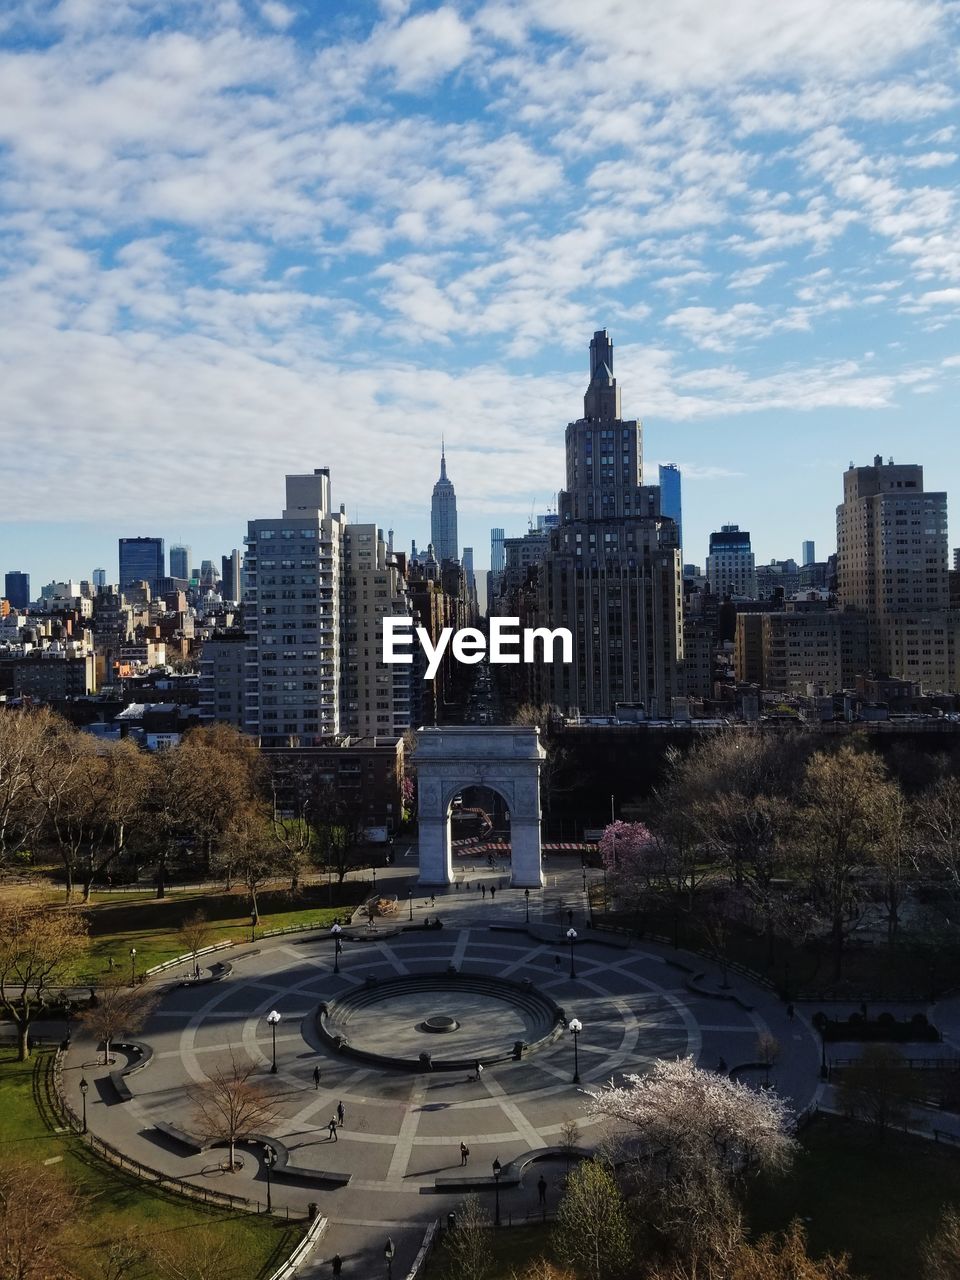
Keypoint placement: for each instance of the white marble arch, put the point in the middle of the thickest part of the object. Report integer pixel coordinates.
(508, 761)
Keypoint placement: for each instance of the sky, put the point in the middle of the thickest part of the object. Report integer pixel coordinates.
(241, 239)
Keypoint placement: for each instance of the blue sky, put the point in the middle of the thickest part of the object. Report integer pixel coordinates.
(241, 239)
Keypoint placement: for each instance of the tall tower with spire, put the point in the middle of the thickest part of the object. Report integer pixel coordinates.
(612, 570)
(443, 514)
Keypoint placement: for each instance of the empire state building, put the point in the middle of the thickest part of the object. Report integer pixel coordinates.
(443, 516)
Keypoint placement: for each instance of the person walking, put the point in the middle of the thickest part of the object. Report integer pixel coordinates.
(478, 1065)
(332, 1129)
(493, 891)
(340, 1114)
(464, 1154)
(336, 1262)
(542, 1191)
(557, 962)
(316, 1077)
(433, 899)
(483, 890)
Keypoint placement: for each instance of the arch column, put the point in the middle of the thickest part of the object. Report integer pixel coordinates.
(508, 761)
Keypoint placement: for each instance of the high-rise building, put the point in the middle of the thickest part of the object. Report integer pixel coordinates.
(611, 572)
(670, 502)
(809, 553)
(180, 562)
(497, 560)
(443, 515)
(99, 579)
(375, 695)
(892, 565)
(230, 581)
(469, 571)
(292, 616)
(141, 560)
(16, 588)
(731, 568)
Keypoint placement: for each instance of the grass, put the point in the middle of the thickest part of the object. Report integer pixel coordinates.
(121, 921)
(877, 1201)
(115, 1206)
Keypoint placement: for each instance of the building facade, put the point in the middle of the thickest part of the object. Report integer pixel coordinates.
(141, 560)
(443, 516)
(893, 567)
(180, 562)
(292, 616)
(731, 568)
(670, 497)
(611, 572)
(16, 589)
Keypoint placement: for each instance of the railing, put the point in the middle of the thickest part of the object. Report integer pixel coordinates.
(913, 1064)
(430, 1239)
(69, 1118)
(288, 1269)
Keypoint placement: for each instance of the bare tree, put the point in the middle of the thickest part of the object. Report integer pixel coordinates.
(941, 1255)
(878, 1089)
(36, 1206)
(569, 1140)
(120, 1010)
(544, 1269)
(195, 933)
(39, 945)
(247, 851)
(468, 1252)
(217, 772)
(690, 1138)
(937, 817)
(27, 738)
(770, 1258)
(231, 1105)
(202, 1252)
(593, 1227)
(768, 1051)
(847, 802)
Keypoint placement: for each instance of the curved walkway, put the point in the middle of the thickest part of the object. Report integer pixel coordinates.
(402, 1132)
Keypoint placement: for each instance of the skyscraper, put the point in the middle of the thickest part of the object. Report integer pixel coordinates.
(670, 503)
(809, 553)
(376, 696)
(16, 589)
(292, 616)
(611, 573)
(497, 554)
(230, 583)
(443, 515)
(99, 579)
(892, 565)
(180, 561)
(468, 569)
(731, 567)
(141, 560)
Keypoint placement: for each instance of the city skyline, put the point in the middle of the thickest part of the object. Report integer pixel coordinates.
(413, 214)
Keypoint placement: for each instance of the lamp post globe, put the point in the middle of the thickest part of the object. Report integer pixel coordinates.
(497, 1170)
(575, 1026)
(273, 1019)
(526, 900)
(571, 938)
(133, 966)
(269, 1160)
(336, 930)
(83, 1097)
(410, 902)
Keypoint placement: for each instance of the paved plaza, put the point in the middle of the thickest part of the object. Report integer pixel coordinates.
(403, 1129)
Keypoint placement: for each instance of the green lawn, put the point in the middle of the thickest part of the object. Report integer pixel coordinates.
(876, 1201)
(115, 1205)
(119, 922)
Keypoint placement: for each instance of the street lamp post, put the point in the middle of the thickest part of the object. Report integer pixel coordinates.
(410, 902)
(388, 1253)
(575, 1026)
(83, 1095)
(273, 1018)
(67, 1011)
(583, 873)
(336, 930)
(497, 1170)
(526, 903)
(269, 1160)
(253, 925)
(824, 1069)
(571, 938)
(133, 966)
